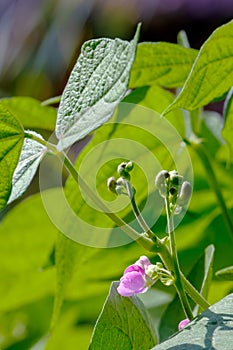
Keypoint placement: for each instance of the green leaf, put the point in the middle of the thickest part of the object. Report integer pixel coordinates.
(30, 157)
(11, 141)
(207, 266)
(123, 324)
(161, 63)
(30, 113)
(26, 240)
(225, 274)
(227, 131)
(212, 72)
(96, 85)
(66, 259)
(200, 276)
(210, 330)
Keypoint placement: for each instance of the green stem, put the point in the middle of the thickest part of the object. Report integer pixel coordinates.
(205, 159)
(155, 246)
(178, 280)
(51, 101)
(140, 219)
(166, 258)
(142, 239)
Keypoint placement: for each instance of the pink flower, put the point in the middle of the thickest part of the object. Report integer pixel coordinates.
(183, 323)
(135, 280)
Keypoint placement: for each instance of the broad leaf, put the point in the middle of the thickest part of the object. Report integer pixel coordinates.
(161, 63)
(96, 85)
(26, 240)
(66, 260)
(200, 276)
(210, 330)
(227, 131)
(31, 155)
(212, 72)
(225, 274)
(11, 141)
(30, 112)
(123, 324)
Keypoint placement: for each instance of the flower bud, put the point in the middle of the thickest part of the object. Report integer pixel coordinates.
(122, 170)
(185, 193)
(129, 166)
(175, 179)
(161, 177)
(121, 186)
(111, 183)
(183, 323)
(173, 191)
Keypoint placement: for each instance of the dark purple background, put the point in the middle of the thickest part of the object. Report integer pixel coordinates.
(40, 40)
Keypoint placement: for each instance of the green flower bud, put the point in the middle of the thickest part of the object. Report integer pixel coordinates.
(122, 170)
(111, 183)
(129, 166)
(185, 193)
(173, 191)
(161, 177)
(175, 179)
(121, 186)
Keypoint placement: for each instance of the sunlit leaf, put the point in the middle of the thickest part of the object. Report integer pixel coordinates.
(123, 324)
(212, 72)
(26, 240)
(211, 329)
(11, 141)
(30, 112)
(96, 85)
(66, 262)
(161, 63)
(30, 157)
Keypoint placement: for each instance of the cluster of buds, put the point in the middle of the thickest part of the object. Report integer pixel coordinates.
(122, 184)
(140, 276)
(172, 186)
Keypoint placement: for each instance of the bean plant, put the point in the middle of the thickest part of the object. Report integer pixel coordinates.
(128, 242)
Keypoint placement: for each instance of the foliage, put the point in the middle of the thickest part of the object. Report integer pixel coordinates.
(53, 285)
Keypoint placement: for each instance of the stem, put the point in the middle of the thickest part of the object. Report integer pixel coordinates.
(155, 246)
(144, 241)
(51, 101)
(140, 219)
(178, 279)
(47, 144)
(141, 239)
(204, 156)
(166, 258)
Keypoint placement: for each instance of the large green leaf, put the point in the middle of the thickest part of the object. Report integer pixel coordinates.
(96, 85)
(123, 324)
(212, 72)
(30, 158)
(161, 63)
(30, 112)
(66, 262)
(26, 240)
(210, 330)
(11, 141)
